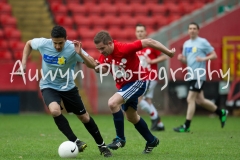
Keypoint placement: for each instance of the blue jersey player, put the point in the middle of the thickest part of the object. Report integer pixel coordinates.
(196, 51)
(59, 56)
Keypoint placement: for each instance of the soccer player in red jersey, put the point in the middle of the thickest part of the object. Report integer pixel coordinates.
(149, 58)
(121, 59)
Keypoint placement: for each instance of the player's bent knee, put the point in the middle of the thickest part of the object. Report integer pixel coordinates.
(133, 119)
(84, 118)
(200, 102)
(112, 104)
(55, 112)
(54, 109)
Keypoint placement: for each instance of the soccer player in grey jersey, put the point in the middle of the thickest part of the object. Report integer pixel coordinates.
(196, 51)
(60, 56)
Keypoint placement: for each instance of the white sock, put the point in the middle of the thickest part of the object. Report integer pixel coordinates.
(153, 112)
(145, 106)
(100, 145)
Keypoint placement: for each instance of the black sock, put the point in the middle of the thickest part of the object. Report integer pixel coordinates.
(142, 128)
(64, 127)
(218, 112)
(92, 128)
(118, 119)
(187, 123)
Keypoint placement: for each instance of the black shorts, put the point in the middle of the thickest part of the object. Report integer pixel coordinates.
(71, 99)
(193, 85)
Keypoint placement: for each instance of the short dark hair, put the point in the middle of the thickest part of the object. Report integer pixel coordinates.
(141, 25)
(102, 36)
(59, 32)
(194, 23)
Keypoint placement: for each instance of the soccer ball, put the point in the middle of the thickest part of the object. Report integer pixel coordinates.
(68, 149)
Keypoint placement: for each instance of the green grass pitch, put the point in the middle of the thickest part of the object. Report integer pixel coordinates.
(35, 137)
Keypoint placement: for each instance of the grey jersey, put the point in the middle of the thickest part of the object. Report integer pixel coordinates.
(198, 47)
(57, 67)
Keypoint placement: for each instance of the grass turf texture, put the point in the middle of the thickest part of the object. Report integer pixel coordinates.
(35, 137)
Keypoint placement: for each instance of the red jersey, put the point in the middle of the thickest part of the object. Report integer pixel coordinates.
(152, 54)
(125, 62)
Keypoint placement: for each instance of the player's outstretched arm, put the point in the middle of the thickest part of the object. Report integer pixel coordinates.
(158, 46)
(157, 60)
(211, 56)
(101, 68)
(88, 60)
(26, 52)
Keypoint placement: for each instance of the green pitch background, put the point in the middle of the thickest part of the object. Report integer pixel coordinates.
(35, 137)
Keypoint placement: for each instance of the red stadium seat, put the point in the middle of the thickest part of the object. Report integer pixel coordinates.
(5, 9)
(115, 32)
(113, 21)
(129, 34)
(5, 55)
(106, 1)
(86, 34)
(147, 21)
(64, 21)
(150, 1)
(124, 9)
(58, 9)
(94, 9)
(93, 53)
(159, 9)
(72, 34)
(3, 44)
(76, 9)
(170, 1)
(8, 21)
(90, 1)
(17, 55)
(1, 34)
(98, 21)
(174, 18)
(73, 1)
(186, 7)
(139, 9)
(82, 21)
(3, 1)
(88, 44)
(128, 21)
(98, 29)
(16, 45)
(12, 33)
(173, 9)
(109, 9)
(161, 21)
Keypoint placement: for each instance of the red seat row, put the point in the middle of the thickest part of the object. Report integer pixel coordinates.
(102, 1)
(124, 9)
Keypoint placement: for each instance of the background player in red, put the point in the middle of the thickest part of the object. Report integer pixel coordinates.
(149, 58)
(123, 62)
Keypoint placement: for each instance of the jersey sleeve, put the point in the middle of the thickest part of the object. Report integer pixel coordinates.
(130, 48)
(37, 43)
(101, 59)
(207, 47)
(156, 52)
(79, 58)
